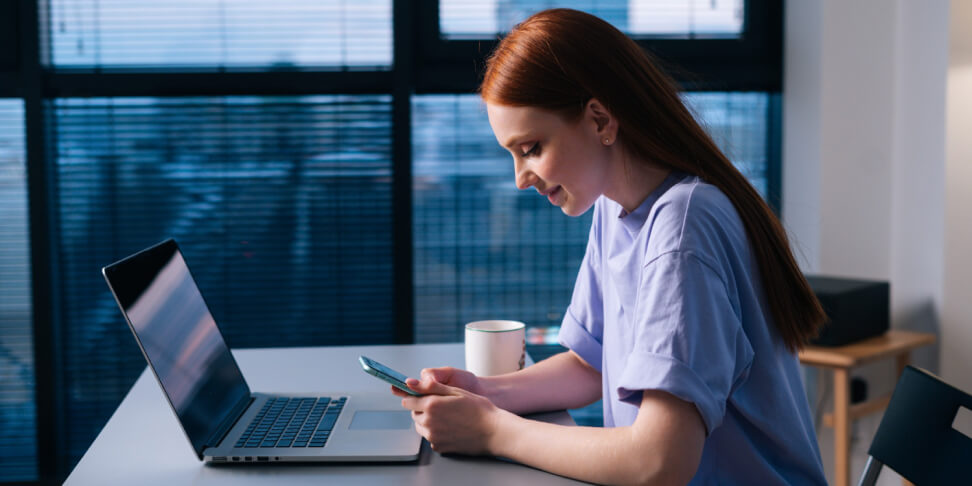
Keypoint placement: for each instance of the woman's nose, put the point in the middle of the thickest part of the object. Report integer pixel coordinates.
(524, 178)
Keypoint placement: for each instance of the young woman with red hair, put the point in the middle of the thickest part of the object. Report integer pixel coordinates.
(688, 307)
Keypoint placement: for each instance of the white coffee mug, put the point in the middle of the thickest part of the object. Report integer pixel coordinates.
(495, 347)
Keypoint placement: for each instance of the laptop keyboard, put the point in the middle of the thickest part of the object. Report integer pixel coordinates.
(292, 422)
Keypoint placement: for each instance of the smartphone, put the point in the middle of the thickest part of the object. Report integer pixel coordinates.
(387, 374)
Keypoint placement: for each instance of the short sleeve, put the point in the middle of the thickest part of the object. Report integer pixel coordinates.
(582, 329)
(687, 337)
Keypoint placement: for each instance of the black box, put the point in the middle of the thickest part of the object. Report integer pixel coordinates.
(857, 309)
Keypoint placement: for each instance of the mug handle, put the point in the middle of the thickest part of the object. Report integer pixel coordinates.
(523, 355)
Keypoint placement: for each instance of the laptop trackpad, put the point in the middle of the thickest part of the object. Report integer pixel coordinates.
(381, 419)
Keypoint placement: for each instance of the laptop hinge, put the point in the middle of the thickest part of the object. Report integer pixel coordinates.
(228, 422)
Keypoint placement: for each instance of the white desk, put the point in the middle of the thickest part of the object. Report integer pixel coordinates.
(143, 443)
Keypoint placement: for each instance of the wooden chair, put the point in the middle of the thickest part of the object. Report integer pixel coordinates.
(916, 437)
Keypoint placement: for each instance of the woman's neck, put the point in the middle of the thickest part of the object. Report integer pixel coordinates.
(633, 180)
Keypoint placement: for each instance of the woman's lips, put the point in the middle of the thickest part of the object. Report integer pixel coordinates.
(553, 194)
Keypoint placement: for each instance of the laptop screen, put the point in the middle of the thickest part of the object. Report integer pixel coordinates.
(179, 338)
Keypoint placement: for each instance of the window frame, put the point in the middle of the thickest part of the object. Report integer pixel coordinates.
(752, 62)
(10, 58)
(423, 63)
(9, 36)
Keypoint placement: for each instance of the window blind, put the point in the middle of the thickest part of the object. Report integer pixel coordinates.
(18, 459)
(485, 250)
(739, 122)
(461, 19)
(218, 33)
(282, 206)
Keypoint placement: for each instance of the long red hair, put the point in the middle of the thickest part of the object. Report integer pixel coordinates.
(559, 59)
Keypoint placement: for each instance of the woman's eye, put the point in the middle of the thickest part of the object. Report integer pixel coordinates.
(533, 150)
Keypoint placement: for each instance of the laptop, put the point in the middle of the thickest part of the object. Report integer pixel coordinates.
(224, 421)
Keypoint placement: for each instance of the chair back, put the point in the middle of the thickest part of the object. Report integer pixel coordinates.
(916, 437)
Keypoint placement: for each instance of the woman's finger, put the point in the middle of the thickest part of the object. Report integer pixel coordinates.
(422, 430)
(429, 387)
(442, 375)
(414, 384)
(412, 403)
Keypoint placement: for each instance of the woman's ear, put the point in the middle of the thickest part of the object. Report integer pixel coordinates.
(605, 124)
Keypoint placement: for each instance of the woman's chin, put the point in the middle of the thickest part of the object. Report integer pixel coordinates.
(572, 210)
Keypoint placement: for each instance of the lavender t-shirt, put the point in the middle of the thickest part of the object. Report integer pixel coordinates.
(669, 298)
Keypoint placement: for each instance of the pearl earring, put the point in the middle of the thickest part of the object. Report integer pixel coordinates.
(607, 141)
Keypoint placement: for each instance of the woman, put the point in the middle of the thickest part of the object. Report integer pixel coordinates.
(688, 308)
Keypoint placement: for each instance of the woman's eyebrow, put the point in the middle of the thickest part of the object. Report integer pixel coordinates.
(510, 141)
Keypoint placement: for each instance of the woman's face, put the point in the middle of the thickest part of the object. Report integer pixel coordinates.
(566, 162)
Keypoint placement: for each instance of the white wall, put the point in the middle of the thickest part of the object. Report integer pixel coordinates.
(864, 169)
(802, 129)
(918, 175)
(863, 148)
(856, 129)
(956, 366)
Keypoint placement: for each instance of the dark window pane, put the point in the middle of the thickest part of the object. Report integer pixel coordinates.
(485, 250)
(282, 207)
(217, 33)
(461, 19)
(18, 454)
(9, 36)
(739, 124)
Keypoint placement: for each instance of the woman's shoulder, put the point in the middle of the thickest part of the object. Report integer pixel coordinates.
(692, 194)
(694, 216)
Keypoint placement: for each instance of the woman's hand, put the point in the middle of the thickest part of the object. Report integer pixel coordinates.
(451, 418)
(454, 377)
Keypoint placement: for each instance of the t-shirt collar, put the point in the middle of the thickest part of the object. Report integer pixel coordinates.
(635, 220)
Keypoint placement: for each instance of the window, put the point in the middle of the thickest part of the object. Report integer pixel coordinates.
(282, 206)
(461, 19)
(707, 45)
(9, 33)
(485, 250)
(283, 34)
(18, 461)
(323, 164)
(740, 124)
